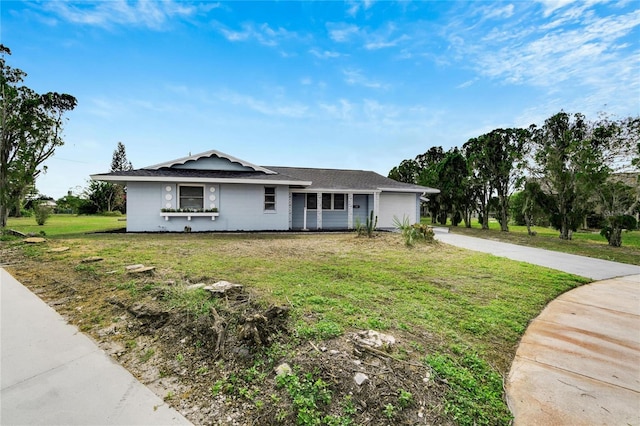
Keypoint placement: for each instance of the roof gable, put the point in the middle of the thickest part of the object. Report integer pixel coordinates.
(211, 161)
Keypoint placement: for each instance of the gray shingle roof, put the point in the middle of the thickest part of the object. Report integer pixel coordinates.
(337, 179)
(321, 179)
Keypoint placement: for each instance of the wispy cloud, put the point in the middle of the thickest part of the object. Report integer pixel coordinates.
(384, 37)
(263, 34)
(570, 46)
(145, 13)
(355, 77)
(354, 6)
(325, 54)
(341, 33)
(274, 107)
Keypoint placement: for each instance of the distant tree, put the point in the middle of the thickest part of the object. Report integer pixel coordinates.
(105, 196)
(453, 179)
(31, 129)
(119, 160)
(527, 206)
(428, 176)
(497, 163)
(422, 171)
(618, 202)
(570, 164)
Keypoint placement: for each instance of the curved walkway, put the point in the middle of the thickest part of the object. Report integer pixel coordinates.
(578, 362)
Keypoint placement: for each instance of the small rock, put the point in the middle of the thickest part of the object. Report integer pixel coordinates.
(34, 240)
(283, 369)
(323, 348)
(92, 259)
(360, 378)
(222, 288)
(334, 352)
(357, 362)
(132, 267)
(141, 270)
(375, 339)
(58, 249)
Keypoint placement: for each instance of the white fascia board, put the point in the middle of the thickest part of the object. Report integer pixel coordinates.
(414, 190)
(335, 191)
(198, 180)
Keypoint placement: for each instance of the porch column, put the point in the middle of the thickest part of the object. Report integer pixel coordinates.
(376, 204)
(350, 211)
(290, 210)
(319, 210)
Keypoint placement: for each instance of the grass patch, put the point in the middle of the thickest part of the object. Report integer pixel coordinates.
(65, 224)
(461, 311)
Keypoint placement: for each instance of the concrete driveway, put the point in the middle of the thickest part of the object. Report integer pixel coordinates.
(578, 362)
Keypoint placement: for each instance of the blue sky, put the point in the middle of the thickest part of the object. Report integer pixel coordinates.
(360, 85)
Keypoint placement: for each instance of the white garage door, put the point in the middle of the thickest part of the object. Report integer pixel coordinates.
(398, 205)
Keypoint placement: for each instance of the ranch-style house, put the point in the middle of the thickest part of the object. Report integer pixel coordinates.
(213, 191)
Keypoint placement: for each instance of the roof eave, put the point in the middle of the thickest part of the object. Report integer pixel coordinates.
(108, 178)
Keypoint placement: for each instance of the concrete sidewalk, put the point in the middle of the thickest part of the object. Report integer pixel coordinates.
(52, 374)
(578, 362)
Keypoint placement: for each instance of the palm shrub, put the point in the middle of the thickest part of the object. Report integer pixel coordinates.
(412, 233)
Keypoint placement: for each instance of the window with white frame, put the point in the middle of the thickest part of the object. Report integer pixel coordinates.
(312, 201)
(329, 201)
(191, 197)
(269, 198)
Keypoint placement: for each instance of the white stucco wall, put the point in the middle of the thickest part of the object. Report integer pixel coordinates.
(400, 205)
(240, 207)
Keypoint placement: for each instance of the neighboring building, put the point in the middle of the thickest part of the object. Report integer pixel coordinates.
(213, 191)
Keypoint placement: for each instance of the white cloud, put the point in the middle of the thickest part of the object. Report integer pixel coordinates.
(354, 6)
(355, 77)
(263, 34)
(275, 108)
(144, 13)
(500, 12)
(325, 54)
(342, 33)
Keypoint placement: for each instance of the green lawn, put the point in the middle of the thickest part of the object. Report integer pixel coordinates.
(461, 312)
(65, 224)
(584, 243)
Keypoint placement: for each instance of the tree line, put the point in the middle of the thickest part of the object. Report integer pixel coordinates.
(557, 174)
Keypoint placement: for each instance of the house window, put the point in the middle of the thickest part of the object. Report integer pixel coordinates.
(312, 201)
(332, 201)
(326, 201)
(191, 197)
(269, 198)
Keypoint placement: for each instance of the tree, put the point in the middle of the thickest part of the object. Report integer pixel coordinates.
(105, 196)
(119, 162)
(428, 176)
(570, 164)
(496, 159)
(618, 201)
(31, 127)
(453, 179)
(422, 171)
